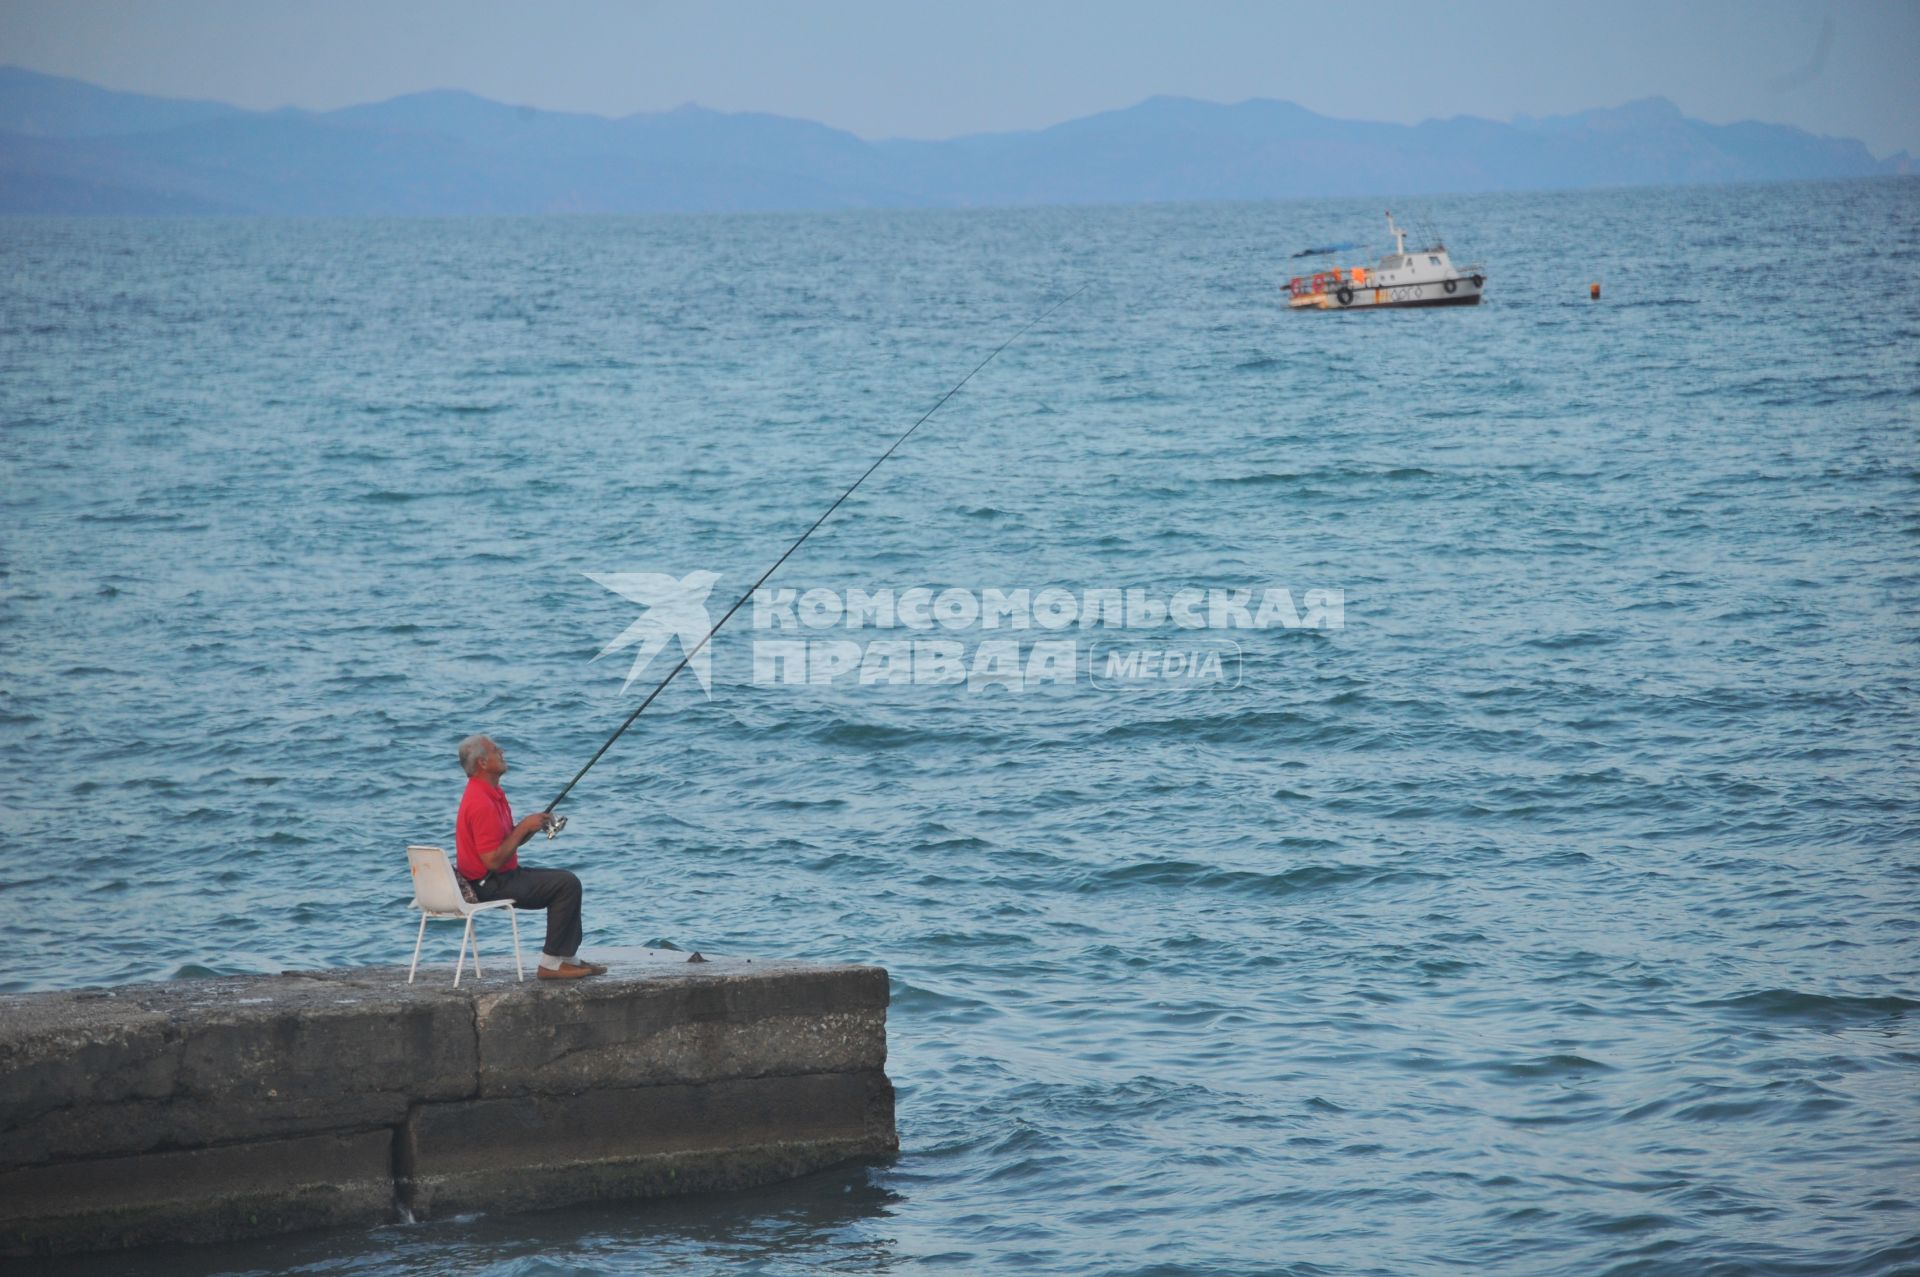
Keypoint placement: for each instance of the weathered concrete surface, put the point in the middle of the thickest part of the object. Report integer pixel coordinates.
(728, 1017)
(188, 1063)
(201, 1194)
(650, 1141)
(219, 1108)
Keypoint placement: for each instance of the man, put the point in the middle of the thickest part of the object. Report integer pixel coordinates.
(486, 842)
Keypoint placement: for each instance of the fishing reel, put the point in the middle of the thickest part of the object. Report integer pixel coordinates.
(553, 825)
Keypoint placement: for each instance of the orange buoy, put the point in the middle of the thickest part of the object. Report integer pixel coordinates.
(1593, 290)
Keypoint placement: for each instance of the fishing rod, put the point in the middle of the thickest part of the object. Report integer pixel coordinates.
(554, 823)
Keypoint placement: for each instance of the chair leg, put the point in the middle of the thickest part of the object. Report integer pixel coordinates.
(476, 948)
(417, 942)
(461, 961)
(513, 916)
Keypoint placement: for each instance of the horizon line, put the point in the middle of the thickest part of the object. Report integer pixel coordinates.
(1518, 119)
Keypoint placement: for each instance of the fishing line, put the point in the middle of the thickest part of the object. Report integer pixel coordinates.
(558, 823)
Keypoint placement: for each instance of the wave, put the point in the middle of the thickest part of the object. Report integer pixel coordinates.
(1814, 1009)
(1184, 875)
(1537, 1067)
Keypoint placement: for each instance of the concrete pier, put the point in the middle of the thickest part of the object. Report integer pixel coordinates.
(204, 1110)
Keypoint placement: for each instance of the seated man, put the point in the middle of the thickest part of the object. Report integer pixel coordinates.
(486, 841)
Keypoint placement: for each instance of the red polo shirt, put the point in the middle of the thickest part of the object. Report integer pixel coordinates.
(484, 822)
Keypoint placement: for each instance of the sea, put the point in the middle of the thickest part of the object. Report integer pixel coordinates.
(1532, 886)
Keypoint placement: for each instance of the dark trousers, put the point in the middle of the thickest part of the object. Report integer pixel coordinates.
(555, 890)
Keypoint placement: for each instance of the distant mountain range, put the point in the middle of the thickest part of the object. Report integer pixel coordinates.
(69, 147)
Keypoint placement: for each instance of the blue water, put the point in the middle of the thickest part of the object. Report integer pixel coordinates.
(1556, 915)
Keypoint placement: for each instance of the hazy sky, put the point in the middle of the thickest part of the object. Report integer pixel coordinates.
(896, 68)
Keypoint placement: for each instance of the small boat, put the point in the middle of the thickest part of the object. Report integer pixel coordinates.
(1425, 277)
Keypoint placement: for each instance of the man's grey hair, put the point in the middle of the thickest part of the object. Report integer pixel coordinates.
(471, 749)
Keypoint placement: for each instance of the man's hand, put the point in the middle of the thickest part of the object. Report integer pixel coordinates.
(527, 828)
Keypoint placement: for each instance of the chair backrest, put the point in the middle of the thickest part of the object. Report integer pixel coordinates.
(434, 889)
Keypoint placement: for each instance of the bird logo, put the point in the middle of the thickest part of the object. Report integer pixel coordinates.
(676, 607)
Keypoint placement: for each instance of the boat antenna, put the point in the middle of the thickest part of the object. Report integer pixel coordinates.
(1394, 233)
(555, 825)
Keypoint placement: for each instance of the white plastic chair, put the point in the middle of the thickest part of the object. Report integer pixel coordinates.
(437, 895)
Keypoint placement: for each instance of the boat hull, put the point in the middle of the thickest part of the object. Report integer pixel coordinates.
(1464, 292)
